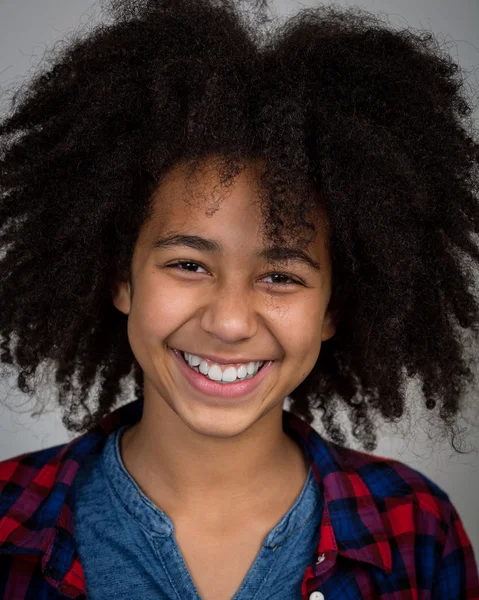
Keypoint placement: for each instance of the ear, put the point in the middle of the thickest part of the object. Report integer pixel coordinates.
(121, 296)
(329, 325)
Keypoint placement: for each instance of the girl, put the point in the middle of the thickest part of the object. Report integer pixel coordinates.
(227, 214)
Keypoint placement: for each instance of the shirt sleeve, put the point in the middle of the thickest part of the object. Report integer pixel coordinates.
(456, 574)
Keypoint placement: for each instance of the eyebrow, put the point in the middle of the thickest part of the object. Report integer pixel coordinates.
(272, 254)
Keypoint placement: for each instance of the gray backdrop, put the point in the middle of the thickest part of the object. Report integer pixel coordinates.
(28, 27)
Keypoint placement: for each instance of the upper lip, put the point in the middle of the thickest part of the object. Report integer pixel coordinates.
(223, 361)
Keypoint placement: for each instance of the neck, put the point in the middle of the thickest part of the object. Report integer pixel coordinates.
(185, 472)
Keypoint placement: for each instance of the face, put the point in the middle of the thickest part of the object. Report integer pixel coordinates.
(226, 301)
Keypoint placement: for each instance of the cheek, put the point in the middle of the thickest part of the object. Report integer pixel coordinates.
(299, 331)
(158, 310)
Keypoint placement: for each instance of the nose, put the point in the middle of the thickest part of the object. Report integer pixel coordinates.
(230, 314)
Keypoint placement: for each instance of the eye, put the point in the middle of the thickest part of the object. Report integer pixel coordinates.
(189, 266)
(292, 280)
(184, 263)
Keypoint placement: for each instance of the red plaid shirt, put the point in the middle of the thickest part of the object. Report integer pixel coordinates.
(387, 531)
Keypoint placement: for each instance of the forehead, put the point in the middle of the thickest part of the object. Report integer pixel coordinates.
(184, 192)
(198, 201)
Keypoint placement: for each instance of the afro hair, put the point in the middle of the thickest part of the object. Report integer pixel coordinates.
(336, 103)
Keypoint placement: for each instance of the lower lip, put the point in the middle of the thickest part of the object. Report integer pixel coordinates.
(225, 390)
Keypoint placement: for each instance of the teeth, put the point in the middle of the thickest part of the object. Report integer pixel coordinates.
(193, 360)
(251, 368)
(214, 371)
(241, 372)
(203, 366)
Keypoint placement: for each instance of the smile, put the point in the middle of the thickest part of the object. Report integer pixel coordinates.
(222, 373)
(247, 377)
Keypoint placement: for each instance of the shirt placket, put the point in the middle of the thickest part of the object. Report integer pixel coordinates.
(326, 558)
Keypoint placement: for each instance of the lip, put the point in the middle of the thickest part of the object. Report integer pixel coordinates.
(202, 384)
(223, 361)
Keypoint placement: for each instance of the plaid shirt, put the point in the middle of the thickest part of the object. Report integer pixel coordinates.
(387, 531)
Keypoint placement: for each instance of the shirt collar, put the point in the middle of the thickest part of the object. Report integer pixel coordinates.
(351, 523)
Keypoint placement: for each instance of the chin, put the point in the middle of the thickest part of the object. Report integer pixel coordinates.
(218, 422)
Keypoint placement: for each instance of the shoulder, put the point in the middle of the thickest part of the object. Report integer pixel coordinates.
(394, 484)
(37, 470)
(36, 457)
(30, 462)
(410, 515)
(51, 469)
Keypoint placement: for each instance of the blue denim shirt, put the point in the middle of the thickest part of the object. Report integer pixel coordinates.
(128, 549)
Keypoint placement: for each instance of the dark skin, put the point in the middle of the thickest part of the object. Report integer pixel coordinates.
(200, 458)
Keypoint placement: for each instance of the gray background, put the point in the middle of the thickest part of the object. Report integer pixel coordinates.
(29, 27)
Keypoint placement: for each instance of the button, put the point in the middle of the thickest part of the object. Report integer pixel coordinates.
(316, 596)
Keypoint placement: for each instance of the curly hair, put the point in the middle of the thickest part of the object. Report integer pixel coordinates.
(336, 104)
